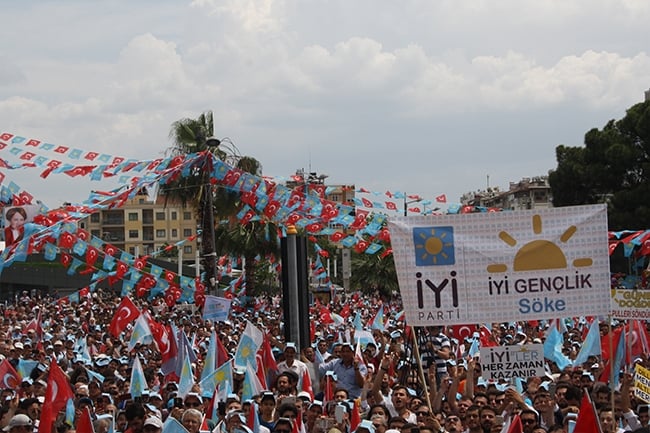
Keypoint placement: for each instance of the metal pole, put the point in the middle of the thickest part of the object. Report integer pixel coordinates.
(207, 235)
(291, 303)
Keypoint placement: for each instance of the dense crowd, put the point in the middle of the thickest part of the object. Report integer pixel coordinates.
(388, 384)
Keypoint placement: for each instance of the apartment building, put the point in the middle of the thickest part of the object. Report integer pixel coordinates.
(142, 226)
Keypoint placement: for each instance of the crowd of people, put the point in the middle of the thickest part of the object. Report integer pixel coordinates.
(402, 380)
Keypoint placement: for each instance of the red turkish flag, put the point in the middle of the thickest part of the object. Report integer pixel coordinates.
(271, 208)
(306, 384)
(91, 255)
(330, 210)
(67, 240)
(516, 426)
(109, 249)
(326, 316)
(121, 269)
(126, 313)
(57, 394)
(391, 205)
(588, 421)
(442, 198)
(140, 263)
(166, 345)
(461, 332)
(366, 202)
(85, 422)
(10, 379)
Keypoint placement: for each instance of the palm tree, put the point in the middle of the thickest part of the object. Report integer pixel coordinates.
(195, 136)
(248, 241)
(374, 272)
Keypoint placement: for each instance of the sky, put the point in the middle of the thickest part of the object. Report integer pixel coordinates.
(425, 97)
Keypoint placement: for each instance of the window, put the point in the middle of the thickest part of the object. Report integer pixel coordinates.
(160, 216)
(94, 218)
(160, 233)
(132, 250)
(133, 216)
(174, 215)
(187, 215)
(187, 233)
(133, 234)
(187, 249)
(174, 233)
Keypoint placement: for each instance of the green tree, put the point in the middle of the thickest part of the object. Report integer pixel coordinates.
(372, 272)
(253, 241)
(613, 167)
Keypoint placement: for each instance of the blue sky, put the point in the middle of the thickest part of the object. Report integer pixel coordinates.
(424, 97)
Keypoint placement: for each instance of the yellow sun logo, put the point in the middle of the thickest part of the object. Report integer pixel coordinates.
(540, 253)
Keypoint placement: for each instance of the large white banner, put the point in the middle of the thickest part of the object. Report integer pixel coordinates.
(502, 266)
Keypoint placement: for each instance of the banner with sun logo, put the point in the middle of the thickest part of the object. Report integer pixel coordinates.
(503, 266)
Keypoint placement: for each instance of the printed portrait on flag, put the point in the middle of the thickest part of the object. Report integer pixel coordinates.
(15, 218)
(502, 266)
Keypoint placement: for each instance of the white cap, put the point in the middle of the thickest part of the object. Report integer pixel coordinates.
(19, 420)
(154, 421)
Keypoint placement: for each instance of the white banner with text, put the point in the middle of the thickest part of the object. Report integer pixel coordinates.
(502, 266)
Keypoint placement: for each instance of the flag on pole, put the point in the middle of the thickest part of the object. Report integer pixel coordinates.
(251, 386)
(57, 394)
(210, 361)
(138, 382)
(249, 343)
(9, 377)
(619, 361)
(588, 421)
(217, 379)
(591, 345)
(141, 333)
(186, 380)
(125, 313)
(553, 348)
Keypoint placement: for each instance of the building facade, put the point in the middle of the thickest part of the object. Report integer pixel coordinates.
(142, 226)
(528, 193)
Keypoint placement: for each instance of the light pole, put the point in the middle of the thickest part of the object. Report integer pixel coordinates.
(406, 203)
(207, 229)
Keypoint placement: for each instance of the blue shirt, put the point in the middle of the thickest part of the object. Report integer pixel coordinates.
(345, 376)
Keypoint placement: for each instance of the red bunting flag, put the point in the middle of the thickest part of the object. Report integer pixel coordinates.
(442, 198)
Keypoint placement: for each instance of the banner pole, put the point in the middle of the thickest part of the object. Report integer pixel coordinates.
(416, 350)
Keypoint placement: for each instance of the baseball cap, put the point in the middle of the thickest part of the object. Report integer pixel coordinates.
(154, 421)
(304, 395)
(19, 420)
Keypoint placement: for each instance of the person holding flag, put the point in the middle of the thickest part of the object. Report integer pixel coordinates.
(349, 370)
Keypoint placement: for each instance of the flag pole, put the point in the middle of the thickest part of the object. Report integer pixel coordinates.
(611, 357)
(416, 350)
